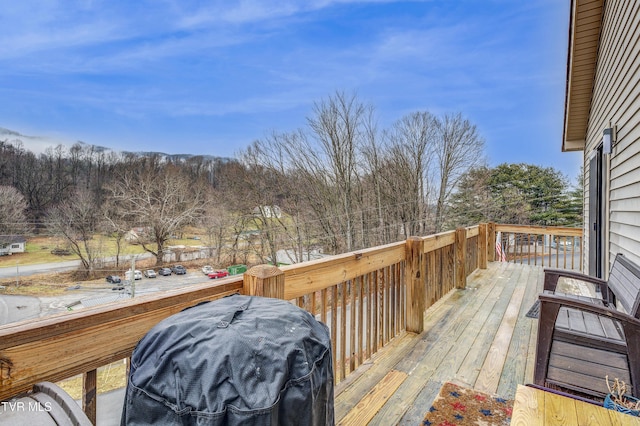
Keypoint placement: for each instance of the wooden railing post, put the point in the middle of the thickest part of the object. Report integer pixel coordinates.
(482, 246)
(89, 392)
(415, 285)
(264, 280)
(491, 242)
(461, 257)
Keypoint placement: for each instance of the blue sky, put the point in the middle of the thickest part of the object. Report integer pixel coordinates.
(209, 77)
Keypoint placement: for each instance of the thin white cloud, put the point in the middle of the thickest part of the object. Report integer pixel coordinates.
(136, 64)
(251, 11)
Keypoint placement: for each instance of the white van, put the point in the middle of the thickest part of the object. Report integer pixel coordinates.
(137, 275)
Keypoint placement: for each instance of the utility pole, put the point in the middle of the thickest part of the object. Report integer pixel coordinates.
(133, 276)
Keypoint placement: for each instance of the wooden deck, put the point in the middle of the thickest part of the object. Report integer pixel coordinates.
(478, 337)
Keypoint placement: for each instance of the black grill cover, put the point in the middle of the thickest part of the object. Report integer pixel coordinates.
(240, 360)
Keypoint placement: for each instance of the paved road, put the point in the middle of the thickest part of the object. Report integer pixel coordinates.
(18, 308)
(41, 268)
(67, 265)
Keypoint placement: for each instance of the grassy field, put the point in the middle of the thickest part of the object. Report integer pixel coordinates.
(39, 249)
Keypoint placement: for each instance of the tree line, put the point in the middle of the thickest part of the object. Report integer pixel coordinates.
(339, 183)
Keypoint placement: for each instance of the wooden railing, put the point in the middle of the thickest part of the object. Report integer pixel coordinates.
(553, 247)
(366, 298)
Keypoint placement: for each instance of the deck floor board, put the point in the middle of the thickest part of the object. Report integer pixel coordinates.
(468, 339)
(479, 342)
(515, 365)
(441, 345)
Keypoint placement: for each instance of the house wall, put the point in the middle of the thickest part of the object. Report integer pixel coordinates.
(10, 248)
(616, 101)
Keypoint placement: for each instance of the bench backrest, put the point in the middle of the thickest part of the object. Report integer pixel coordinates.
(624, 282)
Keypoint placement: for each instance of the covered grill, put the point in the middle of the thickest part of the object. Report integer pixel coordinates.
(240, 360)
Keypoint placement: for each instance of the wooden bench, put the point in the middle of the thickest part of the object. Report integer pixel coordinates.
(581, 340)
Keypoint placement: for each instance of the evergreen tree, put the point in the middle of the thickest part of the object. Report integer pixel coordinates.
(518, 194)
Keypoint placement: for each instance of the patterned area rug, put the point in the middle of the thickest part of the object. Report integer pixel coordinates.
(457, 405)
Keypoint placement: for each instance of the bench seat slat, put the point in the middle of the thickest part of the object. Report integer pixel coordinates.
(585, 367)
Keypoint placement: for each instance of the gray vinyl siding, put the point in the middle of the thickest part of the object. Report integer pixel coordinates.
(585, 217)
(616, 99)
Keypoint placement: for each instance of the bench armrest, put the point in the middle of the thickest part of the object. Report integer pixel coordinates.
(549, 308)
(586, 307)
(551, 277)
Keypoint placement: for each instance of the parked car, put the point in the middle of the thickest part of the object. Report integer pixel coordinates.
(164, 272)
(179, 270)
(137, 275)
(117, 287)
(113, 279)
(219, 273)
(150, 273)
(207, 269)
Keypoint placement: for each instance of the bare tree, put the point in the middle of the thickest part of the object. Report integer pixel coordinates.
(78, 221)
(458, 148)
(338, 126)
(159, 201)
(116, 225)
(408, 169)
(13, 219)
(217, 223)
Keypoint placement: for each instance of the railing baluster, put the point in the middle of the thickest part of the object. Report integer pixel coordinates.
(581, 261)
(374, 336)
(89, 393)
(334, 328)
(431, 279)
(437, 275)
(573, 252)
(352, 329)
(519, 238)
(394, 300)
(369, 314)
(401, 298)
(360, 287)
(343, 330)
(521, 244)
(387, 310)
(380, 275)
(323, 310)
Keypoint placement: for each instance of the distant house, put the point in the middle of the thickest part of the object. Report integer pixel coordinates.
(10, 244)
(290, 256)
(181, 253)
(268, 212)
(135, 234)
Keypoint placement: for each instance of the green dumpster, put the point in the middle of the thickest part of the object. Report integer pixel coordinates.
(237, 269)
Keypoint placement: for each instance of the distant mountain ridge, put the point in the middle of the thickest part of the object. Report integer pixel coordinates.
(38, 144)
